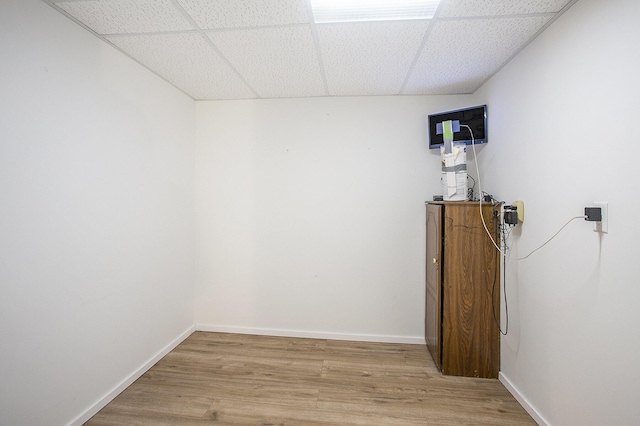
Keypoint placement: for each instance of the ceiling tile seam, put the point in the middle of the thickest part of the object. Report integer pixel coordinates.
(257, 27)
(197, 30)
(152, 33)
(524, 46)
(214, 47)
(73, 19)
(316, 44)
(416, 58)
(496, 17)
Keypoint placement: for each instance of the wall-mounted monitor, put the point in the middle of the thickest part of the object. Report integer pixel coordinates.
(474, 117)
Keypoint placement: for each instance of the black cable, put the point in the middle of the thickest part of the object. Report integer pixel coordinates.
(472, 190)
(502, 236)
(504, 291)
(502, 232)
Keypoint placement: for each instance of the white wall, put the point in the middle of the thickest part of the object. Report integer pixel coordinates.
(96, 216)
(310, 215)
(563, 133)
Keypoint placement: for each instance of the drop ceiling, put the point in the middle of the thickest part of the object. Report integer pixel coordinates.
(252, 49)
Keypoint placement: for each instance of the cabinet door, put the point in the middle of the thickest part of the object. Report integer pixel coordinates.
(433, 308)
(470, 337)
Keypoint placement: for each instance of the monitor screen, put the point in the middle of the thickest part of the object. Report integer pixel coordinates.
(474, 117)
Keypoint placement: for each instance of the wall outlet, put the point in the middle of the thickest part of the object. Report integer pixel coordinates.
(519, 205)
(603, 225)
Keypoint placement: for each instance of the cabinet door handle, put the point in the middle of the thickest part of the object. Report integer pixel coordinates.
(434, 260)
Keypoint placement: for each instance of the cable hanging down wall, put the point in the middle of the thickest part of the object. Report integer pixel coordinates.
(504, 232)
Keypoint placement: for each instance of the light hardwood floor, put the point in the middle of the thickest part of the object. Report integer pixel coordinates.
(231, 379)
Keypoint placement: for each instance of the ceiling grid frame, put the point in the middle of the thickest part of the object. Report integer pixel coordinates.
(360, 63)
(316, 43)
(213, 46)
(419, 52)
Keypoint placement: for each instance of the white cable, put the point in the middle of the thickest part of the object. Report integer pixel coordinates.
(475, 159)
(552, 237)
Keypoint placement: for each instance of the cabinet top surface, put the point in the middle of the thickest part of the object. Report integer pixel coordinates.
(459, 203)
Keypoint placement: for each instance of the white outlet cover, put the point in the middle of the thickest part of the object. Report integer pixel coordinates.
(603, 225)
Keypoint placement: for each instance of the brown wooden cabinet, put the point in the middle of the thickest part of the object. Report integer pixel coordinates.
(462, 278)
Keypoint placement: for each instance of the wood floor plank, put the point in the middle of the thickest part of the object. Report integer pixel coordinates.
(230, 379)
(302, 396)
(230, 413)
(256, 346)
(138, 402)
(367, 352)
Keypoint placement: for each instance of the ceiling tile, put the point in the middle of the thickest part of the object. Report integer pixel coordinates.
(126, 16)
(467, 8)
(461, 54)
(370, 58)
(210, 14)
(188, 62)
(276, 62)
(239, 49)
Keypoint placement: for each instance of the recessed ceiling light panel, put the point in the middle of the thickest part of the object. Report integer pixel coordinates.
(326, 11)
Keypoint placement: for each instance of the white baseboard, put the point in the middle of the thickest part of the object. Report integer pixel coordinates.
(311, 334)
(523, 401)
(102, 402)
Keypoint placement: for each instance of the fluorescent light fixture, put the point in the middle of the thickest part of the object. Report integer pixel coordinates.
(325, 11)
